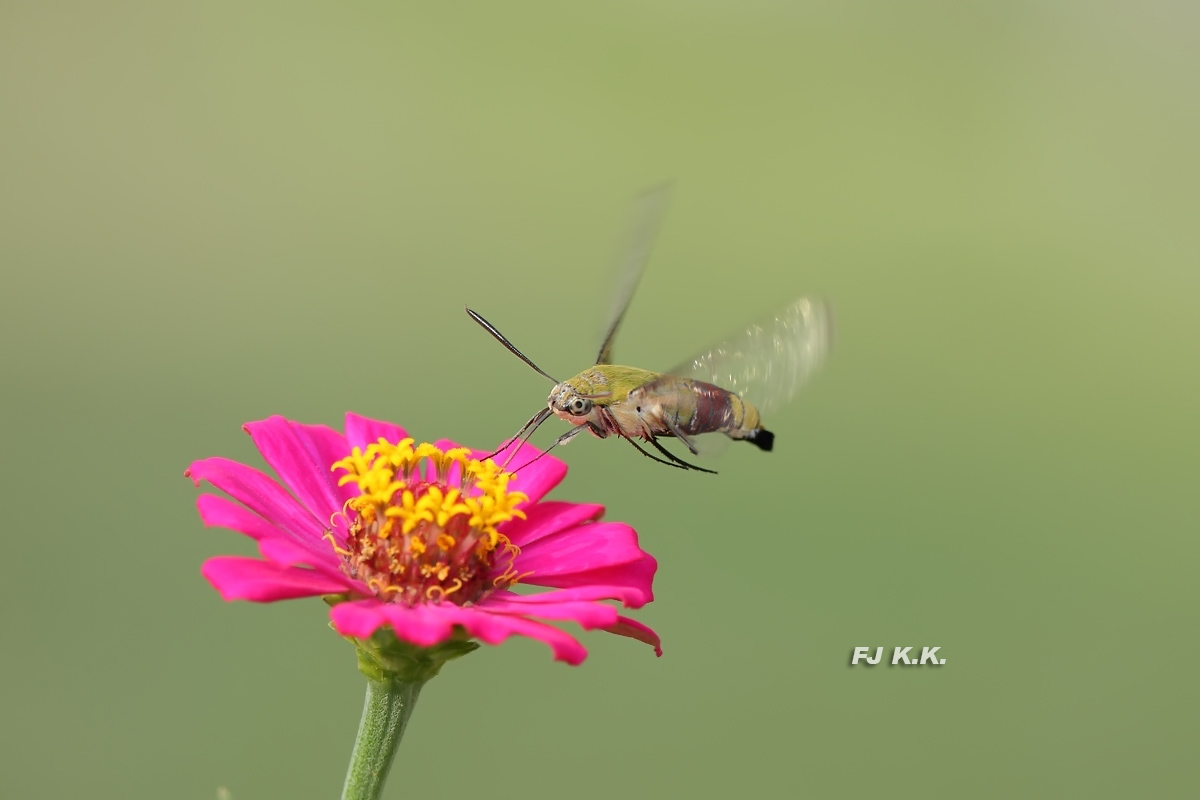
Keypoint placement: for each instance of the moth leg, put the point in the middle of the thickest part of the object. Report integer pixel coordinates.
(596, 429)
(679, 461)
(638, 447)
(681, 436)
(522, 436)
(566, 437)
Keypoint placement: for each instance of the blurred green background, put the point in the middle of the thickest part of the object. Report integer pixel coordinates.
(213, 212)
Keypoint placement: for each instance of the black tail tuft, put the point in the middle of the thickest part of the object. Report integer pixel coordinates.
(762, 438)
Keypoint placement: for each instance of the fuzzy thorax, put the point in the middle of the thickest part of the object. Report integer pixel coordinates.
(424, 526)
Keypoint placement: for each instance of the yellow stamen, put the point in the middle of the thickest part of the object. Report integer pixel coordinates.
(332, 541)
(420, 535)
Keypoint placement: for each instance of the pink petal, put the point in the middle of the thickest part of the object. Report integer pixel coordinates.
(302, 457)
(423, 625)
(221, 512)
(494, 628)
(588, 614)
(238, 578)
(581, 549)
(564, 646)
(362, 431)
(636, 630)
(548, 517)
(630, 597)
(263, 496)
(273, 543)
(328, 446)
(286, 554)
(598, 553)
(427, 625)
(359, 618)
(637, 575)
(535, 480)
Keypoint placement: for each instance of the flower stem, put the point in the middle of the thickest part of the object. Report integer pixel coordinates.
(386, 710)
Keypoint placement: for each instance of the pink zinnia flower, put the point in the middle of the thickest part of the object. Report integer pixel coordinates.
(421, 539)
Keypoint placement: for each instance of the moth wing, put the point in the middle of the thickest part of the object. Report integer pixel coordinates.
(645, 220)
(770, 360)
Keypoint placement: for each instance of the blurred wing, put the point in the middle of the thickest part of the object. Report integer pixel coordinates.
(645, 218)
(768, 361)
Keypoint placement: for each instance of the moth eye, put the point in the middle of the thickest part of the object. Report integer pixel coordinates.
(580, 406)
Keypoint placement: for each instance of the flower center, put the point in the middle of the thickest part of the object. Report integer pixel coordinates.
(423, 528)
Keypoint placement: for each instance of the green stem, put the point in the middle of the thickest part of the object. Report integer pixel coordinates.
(388, 706)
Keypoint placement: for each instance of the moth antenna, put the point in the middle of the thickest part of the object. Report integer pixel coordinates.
(490, 328)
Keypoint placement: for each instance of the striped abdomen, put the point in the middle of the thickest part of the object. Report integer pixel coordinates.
(695, 407)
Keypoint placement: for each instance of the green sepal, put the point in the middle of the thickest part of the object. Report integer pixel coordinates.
(384, 657)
